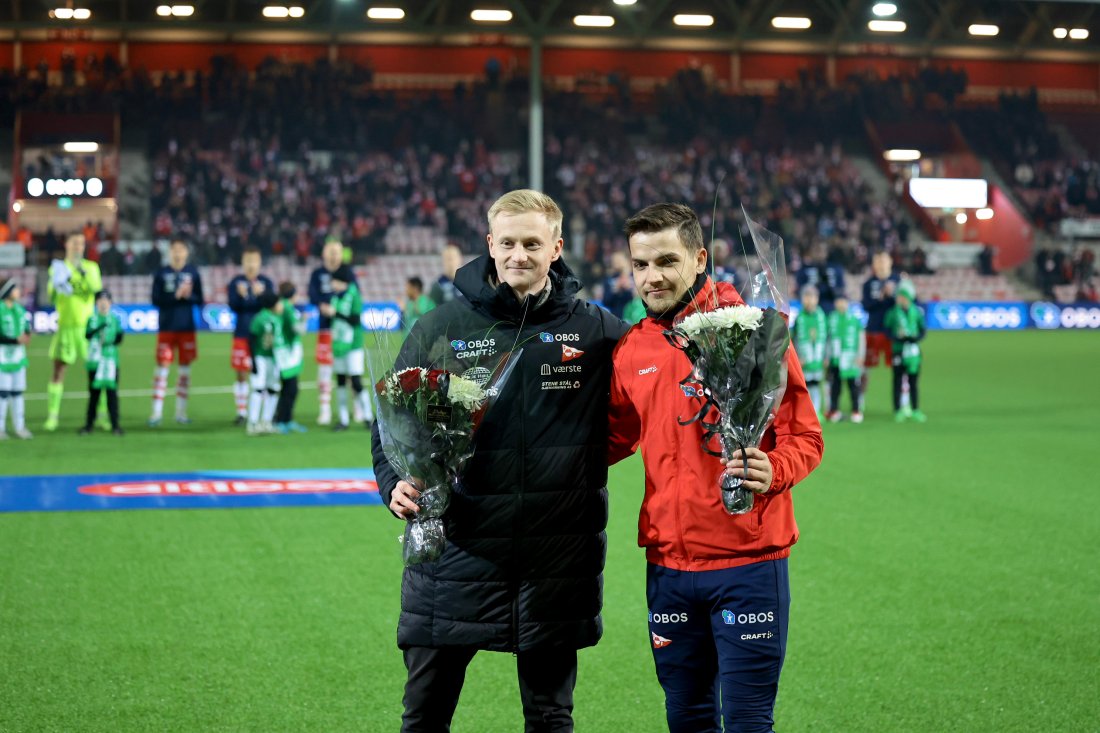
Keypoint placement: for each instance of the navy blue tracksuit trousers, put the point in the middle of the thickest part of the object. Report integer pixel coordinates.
(719, 637)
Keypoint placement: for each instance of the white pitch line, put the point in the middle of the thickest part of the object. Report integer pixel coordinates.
(149, 392)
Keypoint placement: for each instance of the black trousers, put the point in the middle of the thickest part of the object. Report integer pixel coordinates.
(835, 384)
(93, 403)
(546, 681)
(901, 374)
(288, 395)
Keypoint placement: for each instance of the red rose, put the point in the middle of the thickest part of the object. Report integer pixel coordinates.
(434, 375)
(409, 380)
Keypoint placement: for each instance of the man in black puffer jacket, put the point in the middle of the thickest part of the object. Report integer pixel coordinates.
(522, 571)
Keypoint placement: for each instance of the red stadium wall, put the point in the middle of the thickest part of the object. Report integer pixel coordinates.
(35, 52)
(1016, 74)
(881, 66)
(755, 68)
(1011, 235)
(654, 64)
(165, 56)
(251, 54)
(461, 60)
(196, 56)
(778, 67)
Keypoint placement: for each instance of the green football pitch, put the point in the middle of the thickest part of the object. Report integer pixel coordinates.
(947, 578)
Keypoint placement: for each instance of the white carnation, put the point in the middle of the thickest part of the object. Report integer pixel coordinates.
(743, 317)
(464, 392)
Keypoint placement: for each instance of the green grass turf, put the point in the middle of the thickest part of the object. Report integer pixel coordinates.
(946, 580)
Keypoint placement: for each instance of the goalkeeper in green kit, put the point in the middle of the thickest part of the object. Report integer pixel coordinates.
(104, 333)
(847, 349)
(905, 326)
(73, 283)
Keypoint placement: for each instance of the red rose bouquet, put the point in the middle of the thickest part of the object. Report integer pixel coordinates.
(427, 423)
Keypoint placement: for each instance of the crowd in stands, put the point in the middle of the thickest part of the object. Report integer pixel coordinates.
(1056, 189)
(1065, 275)
(287, 201)
(287, 154)
(814, 199)
(605, 162)
(1052, 183)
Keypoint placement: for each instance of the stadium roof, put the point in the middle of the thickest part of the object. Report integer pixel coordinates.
(1024, 28)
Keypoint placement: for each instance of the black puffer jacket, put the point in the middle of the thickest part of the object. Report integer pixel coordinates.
(526, 544)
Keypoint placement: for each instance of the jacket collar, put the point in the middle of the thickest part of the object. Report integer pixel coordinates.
(703, 295)
(477, 282)
(697, 293)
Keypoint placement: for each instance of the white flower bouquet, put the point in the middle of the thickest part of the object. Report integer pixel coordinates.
(738, 355)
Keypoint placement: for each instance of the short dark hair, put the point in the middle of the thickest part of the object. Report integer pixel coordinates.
(179, 240)
(267, 299)
(416, 282)
(287, 289)
(659, 217)
(251, 249)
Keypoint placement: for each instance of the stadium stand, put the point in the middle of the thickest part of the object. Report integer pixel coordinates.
(264, 156)
(409, 198)
(1048, 164)
(381, 279)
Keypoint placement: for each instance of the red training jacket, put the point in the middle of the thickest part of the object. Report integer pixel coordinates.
(682, 524)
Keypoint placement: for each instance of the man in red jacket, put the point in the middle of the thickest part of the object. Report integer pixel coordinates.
(716, 585)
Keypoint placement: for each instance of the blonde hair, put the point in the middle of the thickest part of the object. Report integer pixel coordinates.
(523, 200)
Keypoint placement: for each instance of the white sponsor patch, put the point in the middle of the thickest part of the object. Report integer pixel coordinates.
(561, 384)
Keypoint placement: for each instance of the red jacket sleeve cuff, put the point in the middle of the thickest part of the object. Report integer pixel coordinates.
(778, 480)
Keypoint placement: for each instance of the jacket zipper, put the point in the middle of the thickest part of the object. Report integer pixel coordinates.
(516, 520)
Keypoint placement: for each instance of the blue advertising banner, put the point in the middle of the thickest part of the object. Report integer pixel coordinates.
(951, 315)
(946, 315)
(218, 318)
(955, 316)
(1051, 315)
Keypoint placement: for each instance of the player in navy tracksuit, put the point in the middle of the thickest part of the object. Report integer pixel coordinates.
(320, 292)
(244, 292)
(177, 291)
(827, 278)
(878, 298)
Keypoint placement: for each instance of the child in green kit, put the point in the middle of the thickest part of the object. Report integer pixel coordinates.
(14, 337)
(847, 348)
(266, 338)
(288, 358)
(104, 334)
(810, 338)
(905, 325)
(349, 359)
